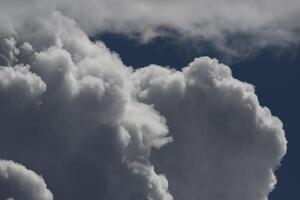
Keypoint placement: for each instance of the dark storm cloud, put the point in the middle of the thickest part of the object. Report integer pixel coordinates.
(74, 113)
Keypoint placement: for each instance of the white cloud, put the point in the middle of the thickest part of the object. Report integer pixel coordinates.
(262, 23)
(202, 17)
(89, 123)
(226, 146)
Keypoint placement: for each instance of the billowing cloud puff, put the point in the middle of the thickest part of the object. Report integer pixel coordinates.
(20, 85)
(73, 112)
(226, 145)
(17, 182)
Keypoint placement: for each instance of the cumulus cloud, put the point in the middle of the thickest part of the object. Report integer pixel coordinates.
(226, 145)
(72, 111)
(69, 103)
(17, 182)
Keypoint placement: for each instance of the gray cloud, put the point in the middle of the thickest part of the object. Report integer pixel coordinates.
(70, 112)
(20, 183)
(73, 112)
(251, 24)
(226, 146)
(204, 18)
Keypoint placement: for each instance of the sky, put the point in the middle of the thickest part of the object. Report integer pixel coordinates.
(136, 99)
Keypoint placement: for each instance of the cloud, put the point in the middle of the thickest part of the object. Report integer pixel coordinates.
(203, 18)
(20, 183)
(21, 86)
(72, 111)
(226, 146)
(232, 26)
(71, 114)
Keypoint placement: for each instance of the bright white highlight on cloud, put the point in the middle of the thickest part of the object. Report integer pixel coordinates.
(71, 110)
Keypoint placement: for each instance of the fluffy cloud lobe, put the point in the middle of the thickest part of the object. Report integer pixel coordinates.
(97, 129)
(225, 144)
(17, 182)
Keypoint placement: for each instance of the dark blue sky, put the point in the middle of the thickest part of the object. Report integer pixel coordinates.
(274, 71)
